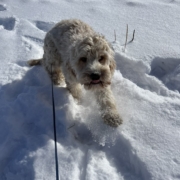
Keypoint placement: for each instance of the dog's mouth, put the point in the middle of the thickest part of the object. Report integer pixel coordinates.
(94, 82)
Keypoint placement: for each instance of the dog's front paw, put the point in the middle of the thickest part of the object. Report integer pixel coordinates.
(112, 119)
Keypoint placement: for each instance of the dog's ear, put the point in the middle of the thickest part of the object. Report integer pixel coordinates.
(112, 65)
(70, 70)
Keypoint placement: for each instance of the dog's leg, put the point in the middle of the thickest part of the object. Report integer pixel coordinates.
(55, 74)
(52, 61)
(75, 90)
(108, 108)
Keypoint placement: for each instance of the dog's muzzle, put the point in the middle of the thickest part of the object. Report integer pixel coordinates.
(95, 78)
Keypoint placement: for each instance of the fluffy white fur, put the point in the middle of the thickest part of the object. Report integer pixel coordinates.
(80, 56)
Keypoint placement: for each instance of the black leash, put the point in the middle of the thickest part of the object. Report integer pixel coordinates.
(54, 125)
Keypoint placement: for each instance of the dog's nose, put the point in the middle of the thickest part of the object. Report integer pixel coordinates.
(95, 76)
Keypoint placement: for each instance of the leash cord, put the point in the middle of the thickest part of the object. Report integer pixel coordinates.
(54, 125)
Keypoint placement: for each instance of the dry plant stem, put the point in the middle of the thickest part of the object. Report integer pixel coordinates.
(132, 37)
(126, 37)
(115, 35)
(71, 126)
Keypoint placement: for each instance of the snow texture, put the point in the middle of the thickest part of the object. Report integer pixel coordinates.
(146, 86)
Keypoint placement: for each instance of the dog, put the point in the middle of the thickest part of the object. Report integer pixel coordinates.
(76, 54)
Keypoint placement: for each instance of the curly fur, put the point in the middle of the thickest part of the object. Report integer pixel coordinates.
(80, 56)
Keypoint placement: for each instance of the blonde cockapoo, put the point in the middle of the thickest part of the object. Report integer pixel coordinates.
(74, 52)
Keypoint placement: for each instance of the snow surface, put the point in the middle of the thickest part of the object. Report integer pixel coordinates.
(146, 85)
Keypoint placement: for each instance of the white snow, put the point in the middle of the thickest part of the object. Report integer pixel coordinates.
(146, 86)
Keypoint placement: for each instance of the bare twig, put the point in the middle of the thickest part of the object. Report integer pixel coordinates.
(132, 37)
(115, 35)
(71, 126)
(126, 37)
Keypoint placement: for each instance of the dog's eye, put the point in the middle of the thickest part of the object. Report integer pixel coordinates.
(83, 59)
(101, 59)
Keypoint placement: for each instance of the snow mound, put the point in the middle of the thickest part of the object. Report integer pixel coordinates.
(168, 71)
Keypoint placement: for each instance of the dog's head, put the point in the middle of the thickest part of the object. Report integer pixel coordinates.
(93, 62)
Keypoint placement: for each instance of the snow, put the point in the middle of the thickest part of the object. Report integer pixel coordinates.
(146, 86)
